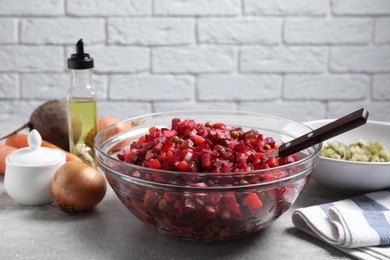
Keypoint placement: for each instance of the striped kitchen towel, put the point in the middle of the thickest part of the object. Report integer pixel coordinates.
(359, 226)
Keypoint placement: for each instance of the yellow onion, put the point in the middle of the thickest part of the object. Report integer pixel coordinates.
(77, 186)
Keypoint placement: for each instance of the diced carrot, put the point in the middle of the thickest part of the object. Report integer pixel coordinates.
(154, 163)
(219, 125)
(5, 150)
(182, 165)
(253, 202)
(197, 139)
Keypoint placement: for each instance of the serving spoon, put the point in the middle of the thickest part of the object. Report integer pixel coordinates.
(339, 126)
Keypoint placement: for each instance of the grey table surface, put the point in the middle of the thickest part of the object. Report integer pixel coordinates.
(110, 231)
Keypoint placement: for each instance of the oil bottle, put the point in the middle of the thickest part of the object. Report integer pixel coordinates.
(81, 101)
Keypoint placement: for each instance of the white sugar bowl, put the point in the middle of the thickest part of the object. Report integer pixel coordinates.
(29, 172)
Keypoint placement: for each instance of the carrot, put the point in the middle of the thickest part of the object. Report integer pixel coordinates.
(5, 150)
(20, 140)
(117, 128)
(105, 121)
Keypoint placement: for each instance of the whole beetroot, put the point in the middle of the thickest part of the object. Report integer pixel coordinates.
(51, 120)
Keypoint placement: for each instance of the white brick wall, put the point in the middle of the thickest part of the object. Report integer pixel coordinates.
(283, 59)
(360, 59)
(108, 7)
(361, 7)
(199, 59)
(338, 87)
(328, 31)
(239, 87)
(243, 31)
(286, 7)
(143, 88)
(302, 59)
(20, 8)
(197, 7)
(61, 30)
(9, 88)
(22, 58)
(151, 31)
(8, 30)
(382, 31)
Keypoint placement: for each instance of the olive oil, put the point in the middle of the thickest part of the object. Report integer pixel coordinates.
(81, 102)
(82, 114)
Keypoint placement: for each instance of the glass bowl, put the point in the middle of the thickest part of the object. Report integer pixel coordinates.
(184, 204)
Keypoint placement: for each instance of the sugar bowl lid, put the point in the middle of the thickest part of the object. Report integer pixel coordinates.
(35, 154)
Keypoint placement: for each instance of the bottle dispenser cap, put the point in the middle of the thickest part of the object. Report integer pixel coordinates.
(80, 60)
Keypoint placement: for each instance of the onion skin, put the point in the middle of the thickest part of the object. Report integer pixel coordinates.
(76, 186)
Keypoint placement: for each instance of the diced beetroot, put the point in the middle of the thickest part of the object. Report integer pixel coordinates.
(188, 205)
(186, 125)
(192, 147)
(211, 212)
(273, 162)
(149, 155)
(225, 214)
(191, 167)
(120, 157)
(232, 205)
(274, 175)
(178, 209)
(213, 200)
(253, 158)
(171, 196)
(277, 192)
(157, 177)
(158, 147)
(270, 141)
(287, 160)
(151, 199)
(206, 160)
(226, 166)
(240, 148)
(175, 122)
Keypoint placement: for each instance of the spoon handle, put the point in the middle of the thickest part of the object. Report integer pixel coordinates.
(339, 126)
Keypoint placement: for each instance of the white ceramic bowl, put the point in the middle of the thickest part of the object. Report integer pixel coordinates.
(350, 176)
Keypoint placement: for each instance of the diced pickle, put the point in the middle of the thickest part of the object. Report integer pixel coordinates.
(361, 151)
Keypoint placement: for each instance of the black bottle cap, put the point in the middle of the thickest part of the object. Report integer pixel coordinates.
(80, 60)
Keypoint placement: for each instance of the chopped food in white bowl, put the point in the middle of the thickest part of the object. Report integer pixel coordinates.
(356, 161)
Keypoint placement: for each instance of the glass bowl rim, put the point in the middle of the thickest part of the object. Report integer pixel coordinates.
(310, 157)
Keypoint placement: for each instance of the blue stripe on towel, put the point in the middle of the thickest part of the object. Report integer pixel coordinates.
(365, 203)
(373, 213)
